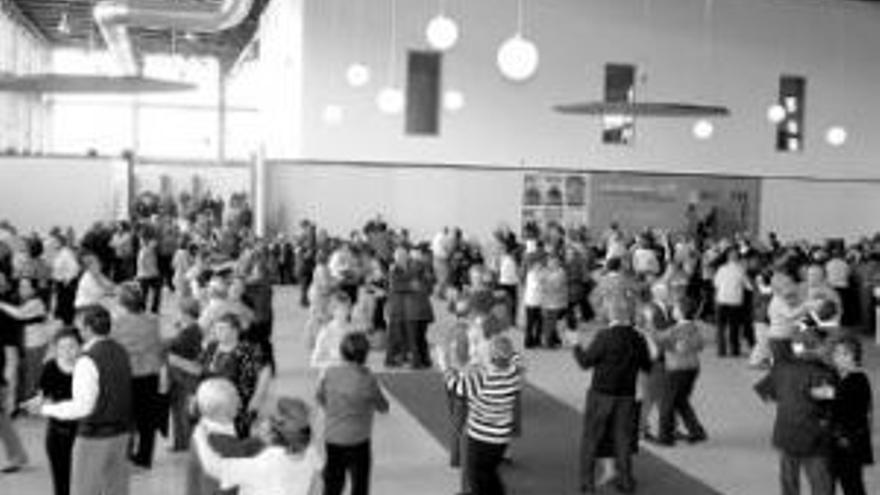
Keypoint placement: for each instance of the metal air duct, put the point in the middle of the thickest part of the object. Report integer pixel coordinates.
(114, 17)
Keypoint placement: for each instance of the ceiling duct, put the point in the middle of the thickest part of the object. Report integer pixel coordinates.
(114, 17)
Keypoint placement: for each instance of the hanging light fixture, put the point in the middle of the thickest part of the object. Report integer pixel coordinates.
(453, 100)
(836, 136)
(64, 24)
(390, 99)
(518, 56)
(333, 115)
(776, 113)
(703, 129)
(442, 31)
(358, 73)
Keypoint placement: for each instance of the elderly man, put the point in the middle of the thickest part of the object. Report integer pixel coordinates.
(616, 355)
(102, 403)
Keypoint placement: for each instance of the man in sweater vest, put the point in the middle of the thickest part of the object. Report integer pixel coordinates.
(102, 404)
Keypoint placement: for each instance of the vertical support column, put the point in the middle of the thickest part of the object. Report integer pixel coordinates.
(221, 114)
(259, 191)
(135, 124)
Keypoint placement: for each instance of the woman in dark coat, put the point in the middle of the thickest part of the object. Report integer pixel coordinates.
(852, 418)
(400, 286)
(418, 309)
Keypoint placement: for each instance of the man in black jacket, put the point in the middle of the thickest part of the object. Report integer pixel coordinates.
(802, 389)
(616, 354)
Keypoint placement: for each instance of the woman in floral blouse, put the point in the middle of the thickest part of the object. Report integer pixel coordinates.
(240, 362)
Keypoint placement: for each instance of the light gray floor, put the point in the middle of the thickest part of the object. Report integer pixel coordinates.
(738, 459)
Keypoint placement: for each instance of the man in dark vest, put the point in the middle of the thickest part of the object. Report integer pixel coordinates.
(102, 404)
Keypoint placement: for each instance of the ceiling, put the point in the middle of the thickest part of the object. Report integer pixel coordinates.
(46, 16)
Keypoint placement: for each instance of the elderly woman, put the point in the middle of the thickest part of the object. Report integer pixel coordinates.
(138, 333)
(240, 362)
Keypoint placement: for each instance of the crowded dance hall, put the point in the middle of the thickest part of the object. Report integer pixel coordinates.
(439, 247)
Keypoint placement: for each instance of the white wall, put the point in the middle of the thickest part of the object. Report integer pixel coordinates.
(753, 42)
(24, 117)
(802, 209)
(40, 193)
(343, 197)
(222, 180)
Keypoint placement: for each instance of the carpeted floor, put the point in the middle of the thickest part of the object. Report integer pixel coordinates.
(545, 459)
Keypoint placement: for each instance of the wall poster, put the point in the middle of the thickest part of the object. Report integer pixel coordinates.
(555, 199)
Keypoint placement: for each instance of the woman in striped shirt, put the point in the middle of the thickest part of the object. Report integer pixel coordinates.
(491, 390)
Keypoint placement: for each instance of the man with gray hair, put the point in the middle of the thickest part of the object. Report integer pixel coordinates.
(616, 355)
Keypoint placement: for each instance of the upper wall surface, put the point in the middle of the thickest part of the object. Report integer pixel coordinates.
(733, 58)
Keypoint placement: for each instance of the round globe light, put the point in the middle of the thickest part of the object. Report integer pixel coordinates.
(453, 100)
(836, 136)
(357, 75)
(703, 129)
(333, 115)
(442, 32)
(518, 58)
(776, 113)
(390, 100)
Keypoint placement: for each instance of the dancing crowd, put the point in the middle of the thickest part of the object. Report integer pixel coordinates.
(83, 340)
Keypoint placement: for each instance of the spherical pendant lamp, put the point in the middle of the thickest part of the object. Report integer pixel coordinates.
(836, 136)
(776, 113)
(333, 115)
(390, 100)
(518, 58)
(442, 32)
(703, 130)
(453, 100)
(357, 75)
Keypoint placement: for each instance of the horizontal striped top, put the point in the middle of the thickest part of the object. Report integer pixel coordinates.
(491, 395)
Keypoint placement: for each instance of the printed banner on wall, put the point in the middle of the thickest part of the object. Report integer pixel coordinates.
(556, 199)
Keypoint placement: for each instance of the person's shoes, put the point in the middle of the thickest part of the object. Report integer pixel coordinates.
(698, 438)
(588, 489)
(624, 486)
(12, 468)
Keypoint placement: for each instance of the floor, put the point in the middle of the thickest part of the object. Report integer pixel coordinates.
(737, 460)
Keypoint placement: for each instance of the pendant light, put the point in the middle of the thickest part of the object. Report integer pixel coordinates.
(704, 129)
(390, 99)
(442, 31)
(836, 135)
(333, 115)
(453, 100)
(63, 26)
(776, 113)
(518, 56)
(358, 73)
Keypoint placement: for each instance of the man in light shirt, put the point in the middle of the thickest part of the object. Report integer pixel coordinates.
(102, 404)
(730, 283)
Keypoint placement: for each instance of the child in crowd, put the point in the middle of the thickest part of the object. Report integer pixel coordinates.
(326, 350)
(184, 371)
(56, 385)
(852, 417)
(218, 403)
(320, 293)
(554, 299)
(681, 346)
(286, 465)
(532, 302)
(350, 395)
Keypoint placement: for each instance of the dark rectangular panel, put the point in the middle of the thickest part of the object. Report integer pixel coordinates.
(620, 82)
(423, 93)
(790, 131)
